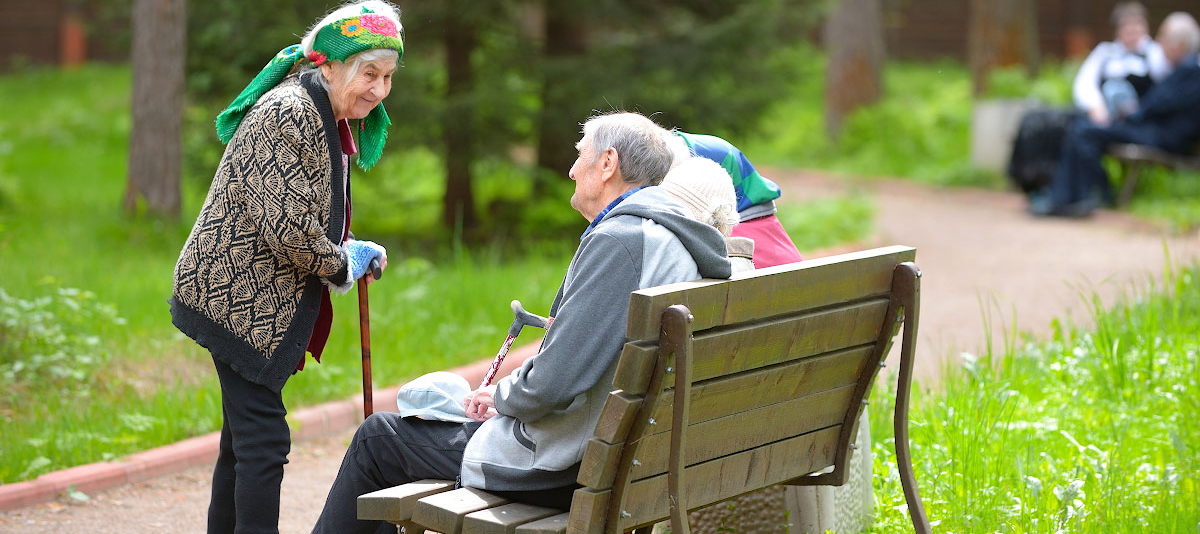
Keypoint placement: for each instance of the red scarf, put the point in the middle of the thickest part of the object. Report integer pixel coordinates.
(320, 333)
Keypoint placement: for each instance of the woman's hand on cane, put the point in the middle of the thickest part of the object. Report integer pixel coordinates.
(480, 404)
(381, 265)
(365, 259)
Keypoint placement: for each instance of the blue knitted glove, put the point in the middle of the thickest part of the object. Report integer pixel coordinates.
(360, 254)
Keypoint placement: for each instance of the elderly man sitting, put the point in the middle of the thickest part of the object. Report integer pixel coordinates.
(1169, 118)
(529, 430)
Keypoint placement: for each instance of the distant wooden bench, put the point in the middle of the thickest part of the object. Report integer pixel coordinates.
(1133, 158)
(725, 387)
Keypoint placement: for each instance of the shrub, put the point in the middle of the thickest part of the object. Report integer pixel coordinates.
(52, 340)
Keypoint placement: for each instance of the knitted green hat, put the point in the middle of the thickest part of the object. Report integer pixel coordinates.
(337, 40)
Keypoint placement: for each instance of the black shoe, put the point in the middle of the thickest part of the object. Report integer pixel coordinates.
(1076, 210)
(1041, 205)
(1044, 207)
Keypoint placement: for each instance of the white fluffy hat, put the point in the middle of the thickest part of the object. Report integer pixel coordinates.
(706, 190)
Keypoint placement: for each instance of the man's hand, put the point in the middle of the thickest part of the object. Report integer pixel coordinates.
(1099, 115)
(480, 404)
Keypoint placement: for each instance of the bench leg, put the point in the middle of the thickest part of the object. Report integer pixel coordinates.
(1132, 170)
(408, 527)
(846, 509)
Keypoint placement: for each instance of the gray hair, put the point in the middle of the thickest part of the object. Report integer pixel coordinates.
(356, 62)
(642, 153)
(1181, 28)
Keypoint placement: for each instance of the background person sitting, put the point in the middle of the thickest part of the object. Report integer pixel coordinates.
(1107, 87)
(1169, 119)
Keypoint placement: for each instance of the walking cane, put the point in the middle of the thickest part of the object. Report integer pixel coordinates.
(364, 329)
(522, 319)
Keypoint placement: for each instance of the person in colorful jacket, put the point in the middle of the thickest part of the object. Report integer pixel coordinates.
(272, 238)
(529, 430)
(755, 197)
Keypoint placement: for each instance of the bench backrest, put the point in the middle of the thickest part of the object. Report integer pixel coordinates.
(774, 366)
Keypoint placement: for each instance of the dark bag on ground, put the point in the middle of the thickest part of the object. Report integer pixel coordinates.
(1038, 146)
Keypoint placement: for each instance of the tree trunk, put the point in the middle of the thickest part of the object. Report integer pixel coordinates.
(1001, 34)
(458, 204)
(560, 114)
(854, 44)
(155, 142)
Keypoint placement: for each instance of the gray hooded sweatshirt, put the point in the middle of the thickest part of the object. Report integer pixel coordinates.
(549, 406)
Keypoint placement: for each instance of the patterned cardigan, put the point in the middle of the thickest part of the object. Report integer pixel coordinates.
(248, 283)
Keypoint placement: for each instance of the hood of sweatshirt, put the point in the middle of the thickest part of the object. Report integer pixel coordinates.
(705, 243)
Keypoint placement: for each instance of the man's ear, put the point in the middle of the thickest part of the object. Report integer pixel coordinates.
(610, 164)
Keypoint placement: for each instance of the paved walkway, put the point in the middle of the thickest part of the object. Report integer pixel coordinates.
(978, 251)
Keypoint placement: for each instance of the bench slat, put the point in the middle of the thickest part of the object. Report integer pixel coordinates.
(720, 437)
(1149, 154)
(504, 519)
(555, 524)
(780, 359)
(720, 351)
(809, 375)
(743, 392)
(397, 504)
(444, 512)
(723, 479)
(766, 292)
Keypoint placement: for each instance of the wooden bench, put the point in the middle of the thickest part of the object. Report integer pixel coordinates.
(724, 387)
(1133, 158)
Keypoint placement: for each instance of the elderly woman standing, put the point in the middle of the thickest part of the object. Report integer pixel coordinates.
(252, 282)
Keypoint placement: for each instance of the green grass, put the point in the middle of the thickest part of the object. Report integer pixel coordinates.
(1091, 431)
(1172, 197)
(825, 223)
(920, 130)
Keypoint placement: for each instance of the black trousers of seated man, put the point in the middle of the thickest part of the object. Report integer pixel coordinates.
(389, 450)
(1081, 176)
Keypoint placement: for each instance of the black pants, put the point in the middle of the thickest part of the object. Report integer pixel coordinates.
(389, 450)
(1080, 173)
(255, 441)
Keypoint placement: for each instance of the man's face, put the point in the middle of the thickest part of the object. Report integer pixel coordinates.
(1173, 50)
(587, 173)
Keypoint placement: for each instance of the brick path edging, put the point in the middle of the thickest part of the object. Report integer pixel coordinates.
(307, 423)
